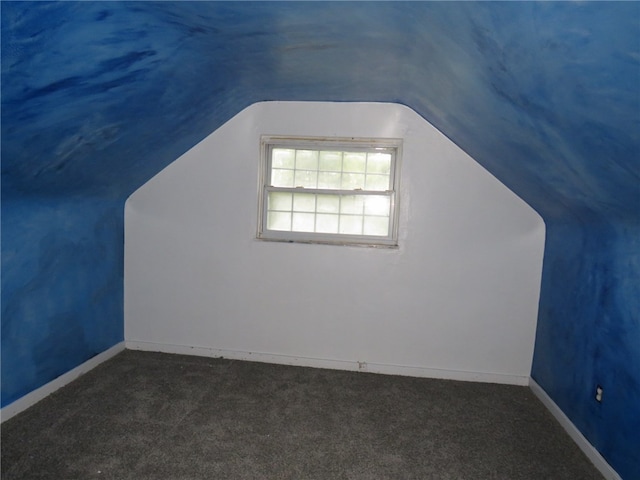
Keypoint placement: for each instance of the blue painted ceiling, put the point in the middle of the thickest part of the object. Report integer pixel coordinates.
(97, 97)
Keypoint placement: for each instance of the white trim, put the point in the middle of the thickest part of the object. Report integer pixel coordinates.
(44, 391)
(589, 450)
(369, 145)
(351, 365)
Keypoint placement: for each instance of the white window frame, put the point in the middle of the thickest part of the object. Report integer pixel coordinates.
(269, 142)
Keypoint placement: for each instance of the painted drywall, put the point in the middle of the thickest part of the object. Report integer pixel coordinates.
(97, 97)
(62, 287)
(459, 295)
(100, 96)
(589, 332)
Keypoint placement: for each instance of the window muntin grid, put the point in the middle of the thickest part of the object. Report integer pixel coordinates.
(328, 213)
(331, 170)
(329, 192)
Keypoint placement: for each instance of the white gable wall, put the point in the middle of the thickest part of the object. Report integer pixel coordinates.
(458, 298)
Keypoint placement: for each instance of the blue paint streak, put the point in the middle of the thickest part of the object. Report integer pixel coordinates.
(544, 95)
(97, 97)
(62, 270)
(589, 334)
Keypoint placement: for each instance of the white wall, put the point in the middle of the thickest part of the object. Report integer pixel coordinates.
(458, 299)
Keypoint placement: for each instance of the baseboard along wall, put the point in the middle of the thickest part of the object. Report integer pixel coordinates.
(589, 450)
(594, 456)
(350, 365)
(47, 389)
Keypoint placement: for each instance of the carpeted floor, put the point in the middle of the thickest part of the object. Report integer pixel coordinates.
(156, 416)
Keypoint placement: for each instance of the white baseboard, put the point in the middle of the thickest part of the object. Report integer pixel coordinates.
(600, 463)
(38, 394)
(362, 366)
(594, 456)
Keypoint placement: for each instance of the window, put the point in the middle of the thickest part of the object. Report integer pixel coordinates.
(340, 191)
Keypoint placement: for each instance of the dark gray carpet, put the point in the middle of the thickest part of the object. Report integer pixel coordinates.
(157, 416)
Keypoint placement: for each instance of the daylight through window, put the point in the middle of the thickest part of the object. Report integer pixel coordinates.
(337, 191)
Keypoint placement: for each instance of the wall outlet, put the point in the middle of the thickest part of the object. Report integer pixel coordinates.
(599, 391)
(362, 366)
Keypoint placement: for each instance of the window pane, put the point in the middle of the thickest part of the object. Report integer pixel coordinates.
(328, 204)
(306, 178)
(303, 222)
(279, 201)
(330, 180)
(331, 161)
(282, 178)
(352, 204)
(306, 160)
(304, 202)
(378, 226)
(351, 224)
(279, 221)
(352, 181)
(325, 193)
(377, 205)
(354, 162)
(377, 182)
(379, 163)
(283, 158)
(326, 223)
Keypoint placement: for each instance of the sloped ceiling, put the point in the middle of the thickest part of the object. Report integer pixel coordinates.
(97, 97)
